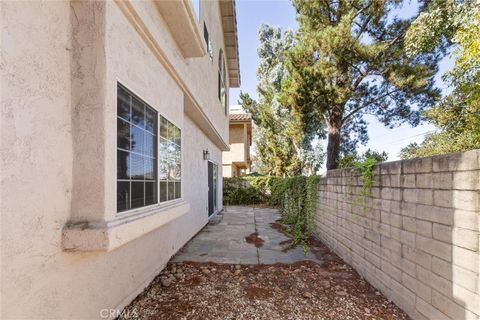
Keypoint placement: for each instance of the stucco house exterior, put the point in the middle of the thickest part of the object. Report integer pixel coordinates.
(237, 161)
(113, 121)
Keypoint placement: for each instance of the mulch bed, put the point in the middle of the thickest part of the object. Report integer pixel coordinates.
(303, 290)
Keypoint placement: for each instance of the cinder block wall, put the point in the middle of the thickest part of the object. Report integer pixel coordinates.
(416, 239)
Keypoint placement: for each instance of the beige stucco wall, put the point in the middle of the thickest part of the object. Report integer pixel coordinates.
(239, 146)
(230, 170)
(58, 160)
(227, 170)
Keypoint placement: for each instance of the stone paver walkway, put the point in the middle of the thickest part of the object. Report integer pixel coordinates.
(224, 242)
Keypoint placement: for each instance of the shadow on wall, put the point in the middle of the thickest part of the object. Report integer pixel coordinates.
(417, 237)
(461, 234)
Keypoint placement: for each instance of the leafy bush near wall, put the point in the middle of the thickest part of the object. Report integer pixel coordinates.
(248, 190)
(295, 197)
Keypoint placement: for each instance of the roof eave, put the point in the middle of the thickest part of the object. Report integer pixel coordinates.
(229, 24)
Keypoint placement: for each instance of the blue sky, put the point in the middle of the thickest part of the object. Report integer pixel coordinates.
(252, 13)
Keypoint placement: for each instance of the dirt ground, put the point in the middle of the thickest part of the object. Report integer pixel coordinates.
(303, 290)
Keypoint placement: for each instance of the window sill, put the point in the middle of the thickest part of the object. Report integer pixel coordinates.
(107, 236)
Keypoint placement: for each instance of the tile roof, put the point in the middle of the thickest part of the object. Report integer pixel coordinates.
(240, 117)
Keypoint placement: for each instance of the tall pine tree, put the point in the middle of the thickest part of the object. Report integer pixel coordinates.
(282, 146)
(348, 61)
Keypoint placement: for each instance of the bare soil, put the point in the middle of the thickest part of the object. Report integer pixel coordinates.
(302, 290)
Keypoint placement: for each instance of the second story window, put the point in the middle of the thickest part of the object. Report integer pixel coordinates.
(222, 90)
(208, 41)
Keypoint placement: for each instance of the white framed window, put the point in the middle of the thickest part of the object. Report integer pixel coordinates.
(208, 41)
(170, 161)
(148, 154)
(136, 152)
(222, 89)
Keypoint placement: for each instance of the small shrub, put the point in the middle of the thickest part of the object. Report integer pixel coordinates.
(238, 191)
(248, 190)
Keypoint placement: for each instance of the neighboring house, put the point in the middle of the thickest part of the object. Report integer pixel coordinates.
(114, 118)
(236, 162)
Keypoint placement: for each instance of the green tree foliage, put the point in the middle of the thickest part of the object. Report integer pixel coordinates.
(436, 25)
(348, 61)
(282, 147)
(248, 190)
(352, 159)
(457, 115)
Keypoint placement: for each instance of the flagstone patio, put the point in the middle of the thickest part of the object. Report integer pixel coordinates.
(225, 241)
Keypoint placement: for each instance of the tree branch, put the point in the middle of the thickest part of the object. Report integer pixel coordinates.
(327, 4)
(362, 76)
(364, 105)
(363, 28)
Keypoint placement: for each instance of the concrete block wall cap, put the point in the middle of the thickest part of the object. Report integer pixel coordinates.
(459, 161)
(109, 235)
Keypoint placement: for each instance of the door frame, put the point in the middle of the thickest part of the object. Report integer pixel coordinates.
(215, 194)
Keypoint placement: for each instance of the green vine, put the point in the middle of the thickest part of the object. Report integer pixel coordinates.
(364, 164)
(366, 175)
(298, 200)
(367, 179)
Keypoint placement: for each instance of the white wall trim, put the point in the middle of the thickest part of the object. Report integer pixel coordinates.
(107, 236)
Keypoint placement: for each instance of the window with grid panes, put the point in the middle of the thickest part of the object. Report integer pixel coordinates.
(169, 159)
(136, 152)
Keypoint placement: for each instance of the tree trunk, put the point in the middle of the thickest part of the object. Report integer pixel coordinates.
(333, 147)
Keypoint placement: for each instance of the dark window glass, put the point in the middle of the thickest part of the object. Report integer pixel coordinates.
(123, 163)
(138, 194)
(163, 127)
(150, 121)
(136, 153)
(163, 191)
(149, 169)
(171, 190)
(138, 113)
(123, 104)
(178, 189)
(208, 41)
(205, 33)
(123, 134)
(150, 193)
(222, 90)
(123, 196)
